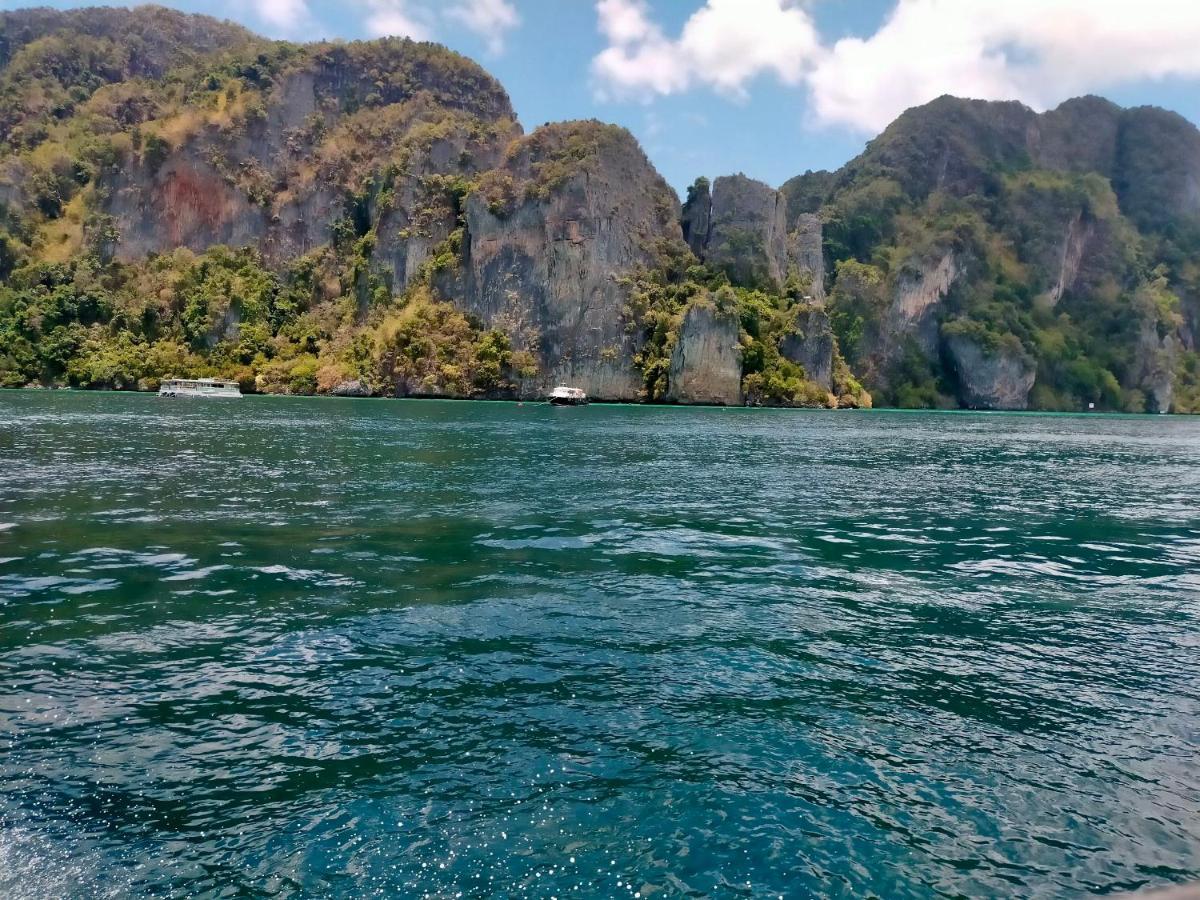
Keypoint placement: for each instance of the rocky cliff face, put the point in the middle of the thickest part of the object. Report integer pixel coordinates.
(706, 365)
(748, 233)
(999, 378)
(910, 318)
(806, 252)
(1036, 229)
(324, 147)
(178, 195)
(696, 218)
(1156, 359)
(574, 207)
(810, 344)
(740, 227)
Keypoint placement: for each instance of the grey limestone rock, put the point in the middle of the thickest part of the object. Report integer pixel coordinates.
(998, 379)
(811, 345)
(706, 365)
(549, 270)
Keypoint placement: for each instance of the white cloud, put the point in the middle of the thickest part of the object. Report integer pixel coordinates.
(490, 19)
(387, 18)
(285, 16)
(1036, 51)
(725, 44)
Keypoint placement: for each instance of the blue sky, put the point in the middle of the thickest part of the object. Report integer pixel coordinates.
(771, 87)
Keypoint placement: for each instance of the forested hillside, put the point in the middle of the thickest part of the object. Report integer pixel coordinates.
(179, 197)
(987, 256)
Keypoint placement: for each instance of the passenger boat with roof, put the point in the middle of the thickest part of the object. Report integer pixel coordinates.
(200, 387)
(568, 396)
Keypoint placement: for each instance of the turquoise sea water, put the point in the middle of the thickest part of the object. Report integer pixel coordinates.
(289, 647)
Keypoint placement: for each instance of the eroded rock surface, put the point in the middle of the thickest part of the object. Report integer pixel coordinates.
(546, 268)
(999, 379)
(706, 365)
(811, 345)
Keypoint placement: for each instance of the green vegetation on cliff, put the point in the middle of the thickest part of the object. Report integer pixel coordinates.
(181, 197)
(97, 102)
(1061, 249)
(661, 294)
(222, 313)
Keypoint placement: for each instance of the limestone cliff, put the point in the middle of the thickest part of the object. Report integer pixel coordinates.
(740, 227)
(912, 306)
(325, 146)
(1042, 231)
(180, 196)
(748, 233)
(573, 208)
(1153, 374)
(697, 217)
(811, 345)
(706, 365)
(991, 378)
(806, 252)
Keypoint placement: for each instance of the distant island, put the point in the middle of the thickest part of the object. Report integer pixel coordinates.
(182, 198)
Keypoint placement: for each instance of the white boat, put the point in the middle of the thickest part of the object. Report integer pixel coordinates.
(568, 396)
(200, 387)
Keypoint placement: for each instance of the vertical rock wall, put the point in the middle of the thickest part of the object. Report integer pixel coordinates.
(740, 225)
(991, 379)
(706, 365)
(548, 271)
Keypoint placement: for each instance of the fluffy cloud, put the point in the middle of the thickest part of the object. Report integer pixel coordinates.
(1037, 51)
(285, 16)
(724, 45)
(490, 19)
(396, 18)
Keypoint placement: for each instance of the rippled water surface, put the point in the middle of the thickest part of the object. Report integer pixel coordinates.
(315, 648)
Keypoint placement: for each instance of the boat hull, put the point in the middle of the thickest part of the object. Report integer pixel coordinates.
(188, 395)
(562, 401)
(201, 388)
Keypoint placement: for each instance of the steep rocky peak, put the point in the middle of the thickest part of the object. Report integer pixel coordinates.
(394, 70)
(739, 226)
(551, 235)
(1080, 135)
(949, 144)
(568, 156)
(578, 145)
(1157, 173)
(697, 216)
(965, 147)
(806, 194)
(157, 37)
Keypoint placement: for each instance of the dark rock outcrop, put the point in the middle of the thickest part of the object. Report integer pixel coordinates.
(546, 268)
(741, 226)
(998, 378)
(697, 217)
(806, 252)
(748, 232)
(1079, 136)
(706, 364)
(811, 345)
